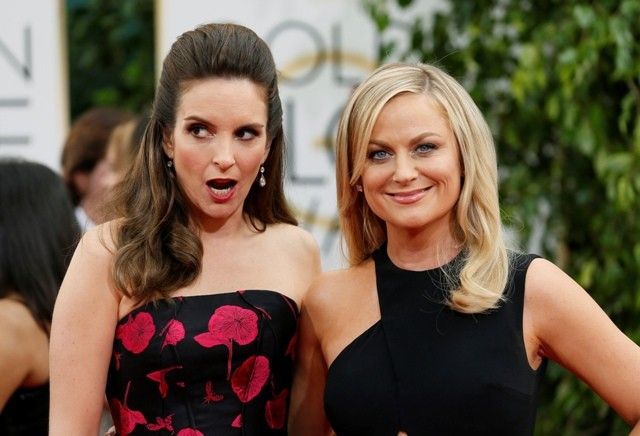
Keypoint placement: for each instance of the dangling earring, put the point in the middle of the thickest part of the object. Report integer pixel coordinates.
(262, 181)
(169, 164)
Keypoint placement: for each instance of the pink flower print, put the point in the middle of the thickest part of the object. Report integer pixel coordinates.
(237, 422)
(276, 410)
(174, 333)
(161, 424)
(210, 396)
(190, 432)
(124, 418)
(249, 378)
(160, 377)
(229, 324)
(136, 333)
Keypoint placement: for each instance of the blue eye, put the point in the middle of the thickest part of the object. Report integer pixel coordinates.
(378, 155)
(424, 148)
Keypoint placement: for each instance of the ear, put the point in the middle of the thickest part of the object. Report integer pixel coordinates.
(167, 145)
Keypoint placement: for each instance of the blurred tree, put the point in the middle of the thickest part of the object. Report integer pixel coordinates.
(111, 54)
(559, 83)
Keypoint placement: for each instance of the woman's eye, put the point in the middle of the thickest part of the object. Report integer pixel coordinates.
(424, 148)
(198, 130)
(246, 134)
(378, 155)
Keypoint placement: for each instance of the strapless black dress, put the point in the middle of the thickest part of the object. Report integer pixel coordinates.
(217, 364)
(26, 412)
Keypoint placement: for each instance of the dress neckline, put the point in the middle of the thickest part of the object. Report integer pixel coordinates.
(292, 303)
(381, 257)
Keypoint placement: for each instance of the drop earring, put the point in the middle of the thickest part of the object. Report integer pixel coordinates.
(262, 181)
(169, 164)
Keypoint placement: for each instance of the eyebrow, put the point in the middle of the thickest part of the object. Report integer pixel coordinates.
(204, 121)
(416, 138)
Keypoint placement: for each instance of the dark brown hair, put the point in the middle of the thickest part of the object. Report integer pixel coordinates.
(86, 143)
(157, 247)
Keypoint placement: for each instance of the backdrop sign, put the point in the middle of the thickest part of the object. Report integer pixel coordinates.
(322, 48)
(33, 84)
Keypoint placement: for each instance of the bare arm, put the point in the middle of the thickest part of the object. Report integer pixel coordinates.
(573, 330)
(306, 415)
(82, 333)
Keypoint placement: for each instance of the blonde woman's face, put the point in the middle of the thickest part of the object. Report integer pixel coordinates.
(218, 144)
(412, 174)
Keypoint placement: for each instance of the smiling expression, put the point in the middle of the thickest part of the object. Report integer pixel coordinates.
(412, 174)
(218, 144)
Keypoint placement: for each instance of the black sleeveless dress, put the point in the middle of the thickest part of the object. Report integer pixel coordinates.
(26, 412)
(216, 364)
(427, 370)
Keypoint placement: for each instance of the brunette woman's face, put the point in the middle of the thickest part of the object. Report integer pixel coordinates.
(218, 144)
(412, 174)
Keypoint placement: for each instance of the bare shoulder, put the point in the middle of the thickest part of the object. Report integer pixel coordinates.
(297, 237)
(547, 285)
(99, 240)
(335, 289)
(89, 274)
(293, 242)
(16, 322)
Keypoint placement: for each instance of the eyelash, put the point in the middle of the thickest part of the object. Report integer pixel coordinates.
(248, 130)
(196, 130)
(195, 127)
(421, 149)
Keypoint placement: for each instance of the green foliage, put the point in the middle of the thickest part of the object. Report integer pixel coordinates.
(559, 83)
(111, 49)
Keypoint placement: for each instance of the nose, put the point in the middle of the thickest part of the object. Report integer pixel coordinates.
(405, 169)
(223, 156)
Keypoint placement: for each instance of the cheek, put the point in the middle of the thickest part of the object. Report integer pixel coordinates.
(100, 176)
(374, 177)
(190, 159)
(250, 160)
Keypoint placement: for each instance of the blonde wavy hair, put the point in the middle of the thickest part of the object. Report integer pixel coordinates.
(484, 268)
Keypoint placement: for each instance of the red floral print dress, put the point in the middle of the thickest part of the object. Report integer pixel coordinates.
(218, 364)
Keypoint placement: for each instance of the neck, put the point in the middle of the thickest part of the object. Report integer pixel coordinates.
(236, 226)
(420, 250)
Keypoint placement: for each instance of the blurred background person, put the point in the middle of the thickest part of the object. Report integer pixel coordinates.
(38, 233)
(122, 147)
(124, 144)
(85, 168)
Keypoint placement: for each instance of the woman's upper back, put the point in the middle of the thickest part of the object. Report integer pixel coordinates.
(24, 365)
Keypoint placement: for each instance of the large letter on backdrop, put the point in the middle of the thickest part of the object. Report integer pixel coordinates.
(33, 83)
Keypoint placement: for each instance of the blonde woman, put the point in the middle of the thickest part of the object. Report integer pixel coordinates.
(436, 328)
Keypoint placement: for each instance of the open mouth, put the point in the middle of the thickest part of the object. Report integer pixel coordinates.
(221, 187)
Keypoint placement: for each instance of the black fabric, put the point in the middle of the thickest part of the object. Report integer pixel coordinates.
(216, 364)
(427, 370)
(26, 412)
